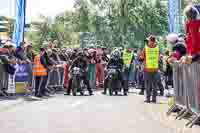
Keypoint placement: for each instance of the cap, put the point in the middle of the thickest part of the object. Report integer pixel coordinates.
(151, 38)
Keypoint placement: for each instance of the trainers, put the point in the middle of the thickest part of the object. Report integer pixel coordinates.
(104, 93)
(147, 101)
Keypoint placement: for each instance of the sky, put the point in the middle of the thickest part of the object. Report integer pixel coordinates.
(36, 7)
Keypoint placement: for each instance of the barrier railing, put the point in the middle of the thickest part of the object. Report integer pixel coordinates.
(3, 81)
(56, 77)
(187, 91)
(23, 74)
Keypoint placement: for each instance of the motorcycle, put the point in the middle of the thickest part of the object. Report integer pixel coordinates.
(114, 84)
(78, 85)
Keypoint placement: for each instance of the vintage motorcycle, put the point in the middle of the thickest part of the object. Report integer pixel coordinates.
(78, 85)
(114, 83)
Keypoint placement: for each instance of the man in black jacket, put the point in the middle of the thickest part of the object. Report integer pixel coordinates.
(117, 63)
(81, 62)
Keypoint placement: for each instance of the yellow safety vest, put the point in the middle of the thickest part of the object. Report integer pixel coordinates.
(152, 57)
(127, 57)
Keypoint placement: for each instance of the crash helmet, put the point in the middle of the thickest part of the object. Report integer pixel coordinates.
(116, 54)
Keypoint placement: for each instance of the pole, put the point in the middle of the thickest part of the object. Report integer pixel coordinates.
(179, 16)
(25, 2)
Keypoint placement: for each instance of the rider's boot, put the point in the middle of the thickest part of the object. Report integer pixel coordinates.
(104, 92)
(90, 93)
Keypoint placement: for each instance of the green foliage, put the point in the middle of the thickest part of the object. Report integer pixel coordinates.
(110, 23)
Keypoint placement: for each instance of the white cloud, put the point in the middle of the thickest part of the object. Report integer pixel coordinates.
(35, 7)
(4, 11)
(7, 7)
(48, 7)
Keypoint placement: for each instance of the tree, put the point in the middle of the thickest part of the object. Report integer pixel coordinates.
(111, 22)
(43, 27)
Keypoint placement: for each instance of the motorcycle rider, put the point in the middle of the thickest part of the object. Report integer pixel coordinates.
(81, 62)
(117, 62)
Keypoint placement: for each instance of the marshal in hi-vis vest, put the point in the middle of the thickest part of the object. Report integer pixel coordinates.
(152, 57)
(39, 69)
(127, 57)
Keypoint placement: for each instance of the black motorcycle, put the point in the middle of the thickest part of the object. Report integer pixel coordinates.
(77, 81)
(114, 83)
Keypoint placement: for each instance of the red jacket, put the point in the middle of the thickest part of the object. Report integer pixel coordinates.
(193, 37)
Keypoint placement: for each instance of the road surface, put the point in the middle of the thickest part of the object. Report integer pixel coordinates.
(89, 114)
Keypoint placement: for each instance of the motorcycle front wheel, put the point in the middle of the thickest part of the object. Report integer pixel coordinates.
(74, 87)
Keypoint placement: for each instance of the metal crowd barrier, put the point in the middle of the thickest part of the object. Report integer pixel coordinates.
(56, 77)
(3, 81)
(187, 91)
(8, 82)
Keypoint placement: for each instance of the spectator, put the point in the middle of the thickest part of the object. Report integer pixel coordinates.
(40, 73)
(150, 55)
(178, 47)
(192, 34)
(30, 54)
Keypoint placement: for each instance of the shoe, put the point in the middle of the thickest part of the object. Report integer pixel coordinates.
(91, 93)
(66, 94)
(147, 101)
(161, 94)
(46, 95)
(153, 101)
(38, 96)
(141, 93)
(104, 93)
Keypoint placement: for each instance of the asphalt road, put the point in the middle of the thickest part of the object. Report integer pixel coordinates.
(89, 114)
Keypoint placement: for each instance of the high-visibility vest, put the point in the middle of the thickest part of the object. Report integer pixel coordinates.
(152, 57)
(127, 57)
(39, 69)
